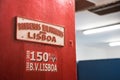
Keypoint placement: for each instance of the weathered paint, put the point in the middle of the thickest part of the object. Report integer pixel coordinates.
(12, 51)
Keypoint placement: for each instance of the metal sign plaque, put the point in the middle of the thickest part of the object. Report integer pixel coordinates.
(36, 31)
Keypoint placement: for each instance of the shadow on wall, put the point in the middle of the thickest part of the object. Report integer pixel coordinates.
(107, 69)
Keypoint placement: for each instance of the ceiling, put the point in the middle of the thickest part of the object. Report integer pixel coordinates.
(101, 2)
(86, 19)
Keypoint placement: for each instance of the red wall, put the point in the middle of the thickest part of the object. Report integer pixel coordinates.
(13, 52)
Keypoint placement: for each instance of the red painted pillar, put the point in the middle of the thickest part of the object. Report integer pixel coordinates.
(13, 51)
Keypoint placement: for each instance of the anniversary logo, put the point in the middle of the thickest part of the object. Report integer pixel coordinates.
(35, 31)
(40, 61)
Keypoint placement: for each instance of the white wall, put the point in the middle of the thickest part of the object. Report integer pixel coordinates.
(85, 52)
(85, 20)
(89, 53)
(113, 52)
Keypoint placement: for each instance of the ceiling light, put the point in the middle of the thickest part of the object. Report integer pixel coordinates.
(114, 44)
(102, 29)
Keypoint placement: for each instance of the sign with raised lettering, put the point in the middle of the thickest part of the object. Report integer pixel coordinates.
(36, 31)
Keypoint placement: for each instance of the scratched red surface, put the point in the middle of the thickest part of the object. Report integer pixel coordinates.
(12, 51)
